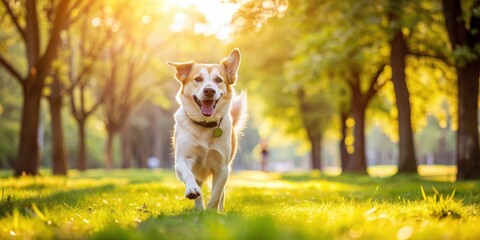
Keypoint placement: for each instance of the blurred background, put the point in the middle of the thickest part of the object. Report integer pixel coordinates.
(332, 85)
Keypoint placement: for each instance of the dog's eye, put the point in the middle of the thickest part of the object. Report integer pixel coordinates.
(198, 79)
(218, 80)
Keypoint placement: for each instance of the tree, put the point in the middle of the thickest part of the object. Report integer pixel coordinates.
(139, 135)
(344, 154)
(119, 101)
(320, 60)
(465, 43)
(315, 112)
(84, 47)
(412, 46)
(38, 68)
(359, 103)
(407, 37)
(398, 52)
(127, 57)
(55, 101)
(54, 93)
(300, 107)
(405, 34)
(357, 62)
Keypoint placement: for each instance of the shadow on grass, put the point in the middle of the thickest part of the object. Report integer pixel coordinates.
(136, 176)
(392, 188)
(9, 202)
(365, 180)
(192, 224)
(350, 178)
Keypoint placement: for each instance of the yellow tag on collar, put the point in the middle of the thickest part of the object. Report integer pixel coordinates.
(218, 132)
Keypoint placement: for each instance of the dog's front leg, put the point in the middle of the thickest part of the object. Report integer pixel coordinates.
(199, 201)
(183, 167)
(218, 184)
(222, 201)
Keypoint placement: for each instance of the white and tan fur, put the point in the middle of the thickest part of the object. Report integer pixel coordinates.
(198, 154)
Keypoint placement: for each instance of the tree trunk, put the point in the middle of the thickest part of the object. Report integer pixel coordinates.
(468, 151)
(28, 153)
(109, 150)
(82, 154)
(126, 140)
(32, 33)
(316, 154)
(407, 162)
(358, 160)
(38, 67)
(344, 155)
(59, 153)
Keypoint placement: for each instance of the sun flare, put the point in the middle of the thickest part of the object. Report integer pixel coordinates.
(217, 13)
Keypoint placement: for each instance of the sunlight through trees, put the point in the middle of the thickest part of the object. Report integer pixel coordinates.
(345, 84)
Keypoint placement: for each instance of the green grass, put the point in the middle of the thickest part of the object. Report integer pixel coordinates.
(142, 204)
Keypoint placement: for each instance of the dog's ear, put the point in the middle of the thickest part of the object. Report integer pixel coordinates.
(231, 64)
(182, 70)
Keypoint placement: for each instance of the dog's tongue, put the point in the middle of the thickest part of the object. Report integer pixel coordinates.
(207, 108)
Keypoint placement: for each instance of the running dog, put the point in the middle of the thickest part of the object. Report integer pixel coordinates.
(207, 125)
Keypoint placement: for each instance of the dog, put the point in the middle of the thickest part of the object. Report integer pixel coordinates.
(208, 123)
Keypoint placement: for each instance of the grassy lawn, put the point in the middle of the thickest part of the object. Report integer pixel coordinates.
(142, 204)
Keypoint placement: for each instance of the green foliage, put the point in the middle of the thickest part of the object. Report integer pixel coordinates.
(276, 104)
(463, 55)
(143, 204)
(9, 114)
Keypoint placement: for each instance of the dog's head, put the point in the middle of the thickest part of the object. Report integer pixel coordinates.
(207, 89)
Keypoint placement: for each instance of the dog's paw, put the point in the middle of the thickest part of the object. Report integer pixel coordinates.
(192, 193)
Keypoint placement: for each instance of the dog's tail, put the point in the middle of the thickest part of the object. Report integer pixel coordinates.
(239, 112)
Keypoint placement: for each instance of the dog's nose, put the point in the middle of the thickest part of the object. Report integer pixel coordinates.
(209, 92)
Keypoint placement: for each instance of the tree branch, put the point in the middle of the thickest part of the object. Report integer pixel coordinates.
(75, 81)
(442, 58)
(474, 33)
(93, 54)
(374, 86)
(73, 107)
(350, 83)
(375, 77)
(454, 22)
(75, 5)
(82, 12)
(52, 46)
(11, 70)
(127, 108)
(94, 107)
(15, 20)
(141, 67)
(353, 77)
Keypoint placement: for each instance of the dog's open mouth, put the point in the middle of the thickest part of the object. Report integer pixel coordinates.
(207, 107)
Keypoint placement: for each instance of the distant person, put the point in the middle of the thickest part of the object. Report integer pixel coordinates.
(153, 162)
(264, 156)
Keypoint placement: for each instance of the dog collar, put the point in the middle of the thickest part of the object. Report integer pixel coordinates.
(218, 132)
(206, 124)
